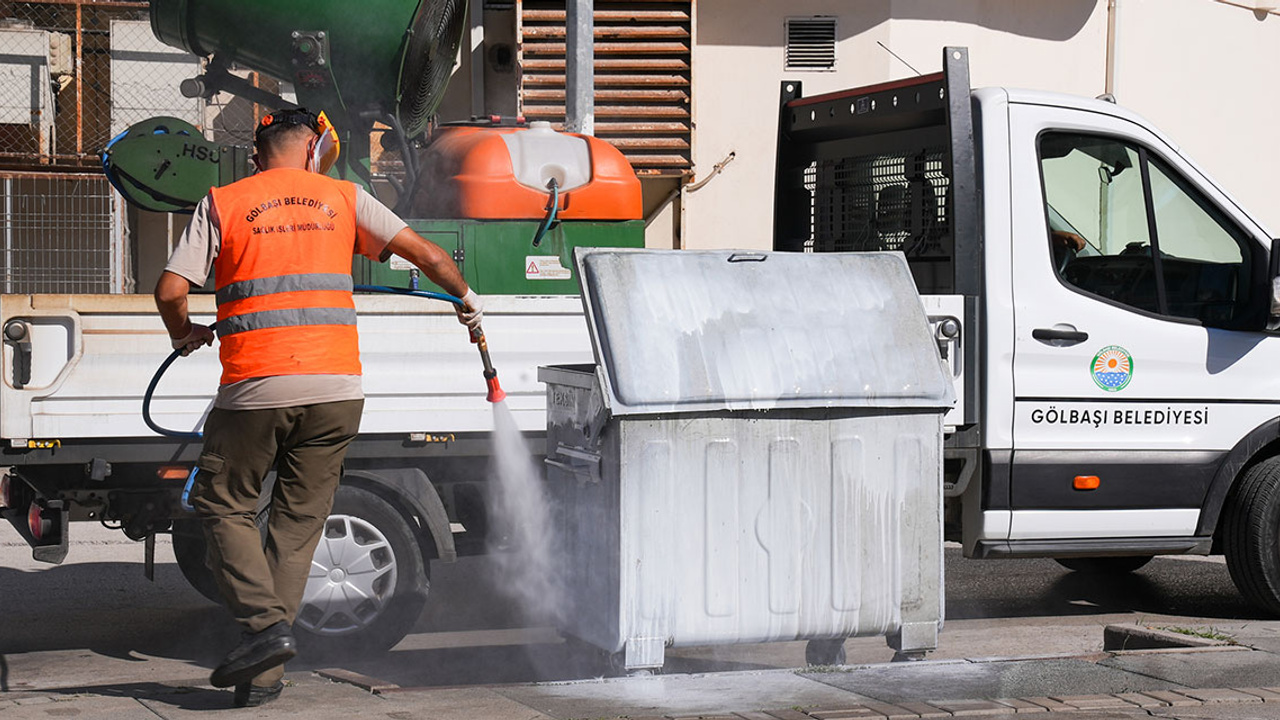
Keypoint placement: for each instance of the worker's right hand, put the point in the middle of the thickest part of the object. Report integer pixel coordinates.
(471, 311)
(199, 336)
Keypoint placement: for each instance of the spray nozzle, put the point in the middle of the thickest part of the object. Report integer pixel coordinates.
(496, 394)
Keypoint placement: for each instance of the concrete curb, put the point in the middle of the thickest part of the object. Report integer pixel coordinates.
(1144, 637)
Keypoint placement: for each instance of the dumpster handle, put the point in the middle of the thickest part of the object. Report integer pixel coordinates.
(748, 257)
(583, 465)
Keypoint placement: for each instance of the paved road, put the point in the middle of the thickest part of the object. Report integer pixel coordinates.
(94, 620)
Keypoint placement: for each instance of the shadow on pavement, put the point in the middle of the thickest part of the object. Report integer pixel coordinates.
(511, 664)
(176, 696)
(1041, 587)
(113, 610)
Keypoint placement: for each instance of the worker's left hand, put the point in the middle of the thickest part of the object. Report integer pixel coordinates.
(199, 336)
(471, 311)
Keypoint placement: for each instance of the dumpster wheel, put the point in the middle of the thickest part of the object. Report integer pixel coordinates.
(825, 652)
(597, 661)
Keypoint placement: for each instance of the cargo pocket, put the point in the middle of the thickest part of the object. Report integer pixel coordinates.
(208, 467)
(210, 463)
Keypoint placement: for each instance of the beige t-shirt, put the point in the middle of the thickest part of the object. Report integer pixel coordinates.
(193, 259)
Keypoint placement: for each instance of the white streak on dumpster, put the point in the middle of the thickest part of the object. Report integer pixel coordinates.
(704, 332)
(721, 568)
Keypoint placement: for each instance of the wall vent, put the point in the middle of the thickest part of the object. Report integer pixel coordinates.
(811, 43)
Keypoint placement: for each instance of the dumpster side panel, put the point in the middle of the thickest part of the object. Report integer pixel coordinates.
(777, 527)
(582, 479)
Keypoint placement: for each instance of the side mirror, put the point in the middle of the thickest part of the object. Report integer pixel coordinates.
(1273, 278)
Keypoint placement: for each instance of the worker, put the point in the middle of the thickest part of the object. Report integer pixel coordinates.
(280, 243)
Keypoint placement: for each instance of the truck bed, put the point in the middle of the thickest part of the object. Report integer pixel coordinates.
(92, 357)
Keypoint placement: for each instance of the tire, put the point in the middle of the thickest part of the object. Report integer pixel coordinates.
(373, 607)
(189, 548)
(342, 612)
(1251, 534)
(1104, 565)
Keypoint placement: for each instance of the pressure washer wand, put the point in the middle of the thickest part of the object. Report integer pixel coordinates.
(496, 394)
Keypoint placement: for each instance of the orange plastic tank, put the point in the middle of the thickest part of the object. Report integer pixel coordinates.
(502, 173)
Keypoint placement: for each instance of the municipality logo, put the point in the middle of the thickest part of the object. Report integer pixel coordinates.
(1112, 368)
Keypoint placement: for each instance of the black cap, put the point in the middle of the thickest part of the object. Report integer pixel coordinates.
(286, 117)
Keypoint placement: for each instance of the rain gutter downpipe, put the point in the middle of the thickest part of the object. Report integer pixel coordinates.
(580, 108)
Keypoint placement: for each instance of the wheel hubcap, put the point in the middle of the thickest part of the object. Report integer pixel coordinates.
(353, 575)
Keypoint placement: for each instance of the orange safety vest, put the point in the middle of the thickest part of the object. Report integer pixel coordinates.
(283, 276)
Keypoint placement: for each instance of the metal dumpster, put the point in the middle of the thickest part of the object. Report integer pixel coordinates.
(756, 455)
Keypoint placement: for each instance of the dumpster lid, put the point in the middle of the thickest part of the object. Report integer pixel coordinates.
(681, 330)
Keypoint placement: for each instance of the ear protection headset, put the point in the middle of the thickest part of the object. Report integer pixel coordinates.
(322, 151)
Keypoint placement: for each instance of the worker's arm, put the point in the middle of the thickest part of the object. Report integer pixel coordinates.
(439, 268)
(171, 301)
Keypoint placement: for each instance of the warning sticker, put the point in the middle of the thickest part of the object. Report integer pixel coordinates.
(398, 263)
(545, 267)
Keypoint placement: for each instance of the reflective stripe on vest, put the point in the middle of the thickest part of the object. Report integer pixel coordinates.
(285, 318)
(283, 283)
(283, 276)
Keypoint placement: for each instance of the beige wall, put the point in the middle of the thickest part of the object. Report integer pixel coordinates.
(1198, 69)
(1204, 73)
(738, 66)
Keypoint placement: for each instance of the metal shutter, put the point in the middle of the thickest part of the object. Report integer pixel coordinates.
(642, 76)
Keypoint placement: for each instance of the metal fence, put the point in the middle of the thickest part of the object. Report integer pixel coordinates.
(59, 233)
(58, 76)
(73, 75)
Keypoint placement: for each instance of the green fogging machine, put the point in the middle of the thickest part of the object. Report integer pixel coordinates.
(510, 200)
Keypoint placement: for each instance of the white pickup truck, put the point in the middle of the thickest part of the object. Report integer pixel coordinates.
(1110, 310)
(75, 447)
(1104, 307)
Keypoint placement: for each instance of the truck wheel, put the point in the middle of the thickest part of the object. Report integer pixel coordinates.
(1104, 565)
(189, 549)
(1251, 534)
(368, 583)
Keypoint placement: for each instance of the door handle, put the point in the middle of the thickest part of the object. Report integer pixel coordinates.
(1061, 335)
(18, 334)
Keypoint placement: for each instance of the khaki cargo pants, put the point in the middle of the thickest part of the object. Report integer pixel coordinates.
(306, 446)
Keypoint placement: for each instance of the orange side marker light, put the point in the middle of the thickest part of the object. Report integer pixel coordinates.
(1086, 482)
(173, 472)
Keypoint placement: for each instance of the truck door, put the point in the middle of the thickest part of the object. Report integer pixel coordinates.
(1139, 358)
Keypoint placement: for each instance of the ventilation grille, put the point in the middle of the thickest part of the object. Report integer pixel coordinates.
(811, 43)
(642, 76)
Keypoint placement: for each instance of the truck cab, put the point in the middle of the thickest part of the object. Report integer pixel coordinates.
(1113, 353)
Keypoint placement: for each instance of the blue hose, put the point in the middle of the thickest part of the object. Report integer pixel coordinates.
(196, 435)
(409, 291)
(553, 207)
(146, 402)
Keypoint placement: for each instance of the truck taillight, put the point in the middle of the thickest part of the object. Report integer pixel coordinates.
(37, 523)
